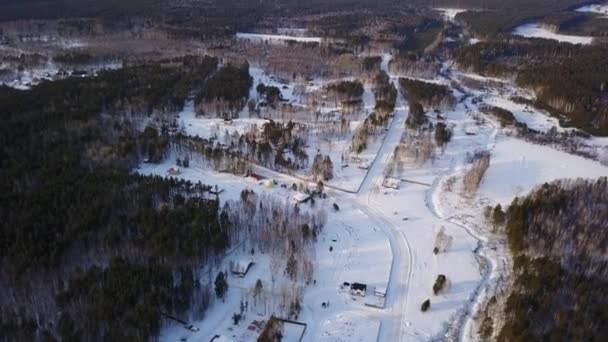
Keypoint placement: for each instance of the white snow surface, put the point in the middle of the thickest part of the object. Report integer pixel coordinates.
(535, 30)
(258, 37)
(532, 117)
(450, 13)
(517, 167)
(595, 8)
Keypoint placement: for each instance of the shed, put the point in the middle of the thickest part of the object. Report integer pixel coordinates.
(300, 197)
(256, 177)
(390, 182)
(380, 291)
(174, 171)
(240, 267)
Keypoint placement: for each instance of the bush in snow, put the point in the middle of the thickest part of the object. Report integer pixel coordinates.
(440, 284)
(426, 305)
(442, 242)
(221, 285)
(443, 135)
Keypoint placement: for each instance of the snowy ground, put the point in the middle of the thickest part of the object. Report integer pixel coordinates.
(51, 71)
(450, 13)
(347, 175)
(529, 115)
(535, 30)
(597, 8)
(518, 166)
(385, 237)
(347, 327)
(276, 38)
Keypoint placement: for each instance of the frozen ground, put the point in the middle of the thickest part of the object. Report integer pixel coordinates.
(535, 30)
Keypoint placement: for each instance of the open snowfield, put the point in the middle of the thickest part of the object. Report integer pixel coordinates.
(518, 166)
(535, 30)
(206, 127)
(348, 327)
(529, 115)
(596, 8)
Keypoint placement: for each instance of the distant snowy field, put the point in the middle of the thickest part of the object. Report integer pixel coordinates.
(532, 117)
(517, 167)
(600, 9)
(535, 30)
(450, 13)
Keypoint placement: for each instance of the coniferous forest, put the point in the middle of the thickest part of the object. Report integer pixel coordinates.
(166, 162)
(558, 239)
(69, 201)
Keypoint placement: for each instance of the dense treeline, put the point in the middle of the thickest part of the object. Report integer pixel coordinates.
(504, 116)
(558, 236)
(371, 126)
(68, 201)
(551, 69)
(415, 65)
(187, 18)
(427, 94)
(385, 93)
(226, 90)
(419, 37)
(499, 17)
(346, 91)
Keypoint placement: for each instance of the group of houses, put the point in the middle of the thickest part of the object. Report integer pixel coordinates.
(361, 290)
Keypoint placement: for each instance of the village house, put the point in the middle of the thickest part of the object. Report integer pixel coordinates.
(174, 171)
(358, 289)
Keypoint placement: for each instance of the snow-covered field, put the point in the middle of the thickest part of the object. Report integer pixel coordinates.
(535, 30)
(596, 8)
(532, 117)
(348, 327)
(518, 166)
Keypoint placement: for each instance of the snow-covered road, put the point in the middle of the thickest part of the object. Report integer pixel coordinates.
(397, 289)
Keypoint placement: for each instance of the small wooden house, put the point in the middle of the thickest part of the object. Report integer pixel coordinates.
(174, 171)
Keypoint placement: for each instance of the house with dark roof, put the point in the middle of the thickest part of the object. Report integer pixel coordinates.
(358, 289)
